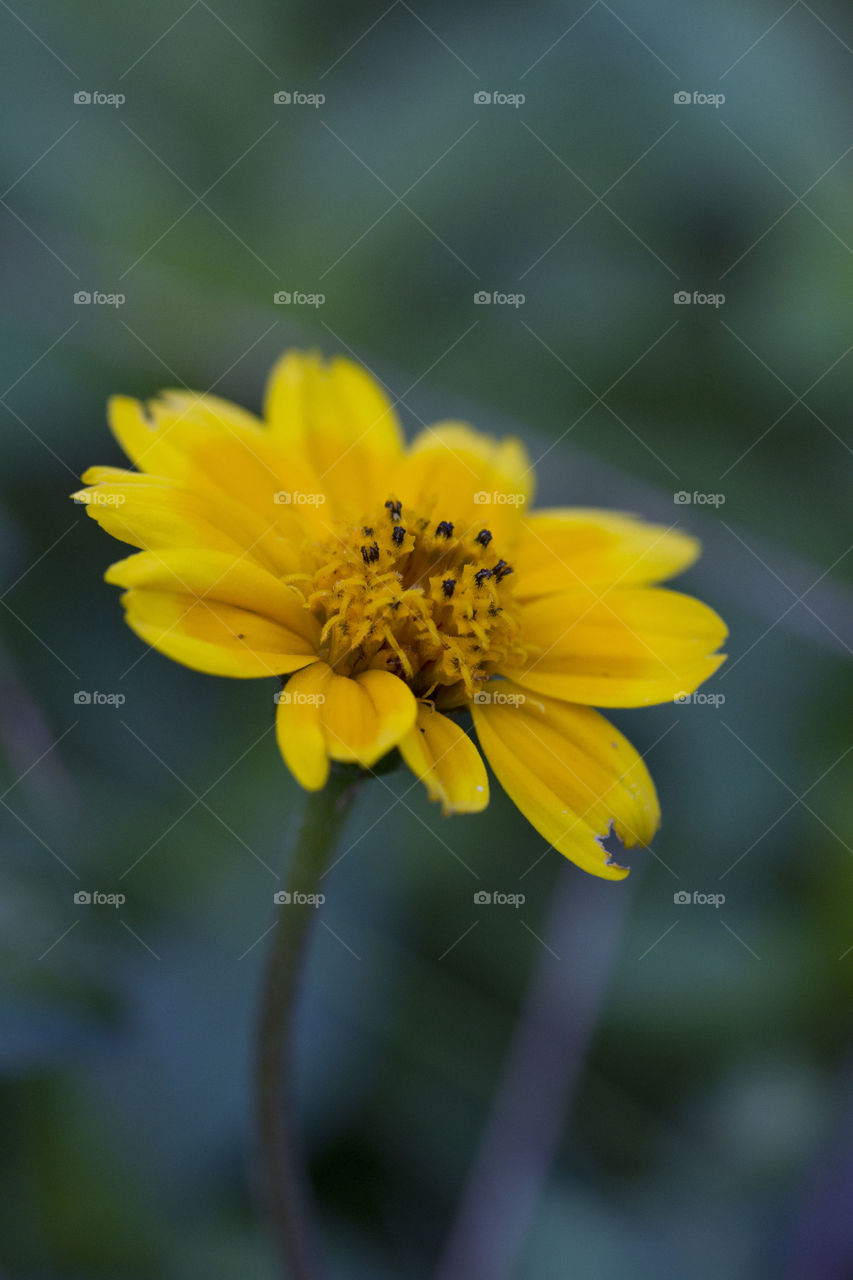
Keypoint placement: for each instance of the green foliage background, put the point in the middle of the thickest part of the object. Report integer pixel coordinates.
(710, 1133)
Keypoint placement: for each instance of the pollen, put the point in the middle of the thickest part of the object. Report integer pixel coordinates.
(427, 601)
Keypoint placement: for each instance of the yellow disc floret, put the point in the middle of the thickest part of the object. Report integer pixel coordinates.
(402, 593)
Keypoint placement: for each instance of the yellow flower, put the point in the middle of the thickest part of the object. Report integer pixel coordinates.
(394, 586)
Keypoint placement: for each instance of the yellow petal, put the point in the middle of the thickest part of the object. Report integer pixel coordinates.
(629, 648)
(354, 719)
(217, 576)
(475, 481)
(298, 727)
(364, 716)
(447, 761)
(216, 613)
(338, 418)
(218, 450)
(155, 513)
(161, 436)
(216, 638)
(562, 549)
(570, 772)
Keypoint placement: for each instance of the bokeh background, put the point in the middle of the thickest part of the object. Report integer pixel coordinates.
(679, 1104)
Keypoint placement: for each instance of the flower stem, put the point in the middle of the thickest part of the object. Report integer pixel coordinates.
(283, 1182)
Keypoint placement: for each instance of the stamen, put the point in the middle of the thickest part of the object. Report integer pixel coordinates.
(420, 604)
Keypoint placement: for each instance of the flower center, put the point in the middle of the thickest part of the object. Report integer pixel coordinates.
(408, 595)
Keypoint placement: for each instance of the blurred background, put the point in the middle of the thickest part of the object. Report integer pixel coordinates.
(680, 1102)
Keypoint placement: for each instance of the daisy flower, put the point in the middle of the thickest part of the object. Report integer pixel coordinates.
(393, 586)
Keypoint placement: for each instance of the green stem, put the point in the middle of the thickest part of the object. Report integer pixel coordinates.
(282, 1172)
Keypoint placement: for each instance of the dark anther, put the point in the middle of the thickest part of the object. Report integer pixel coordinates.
(373, 551)
(481, 575)
(367, 531)
(483, 537)
(447, 586)
(444, 529)
(365, 555)
(395, 510)
(501, 569)
(397, 535)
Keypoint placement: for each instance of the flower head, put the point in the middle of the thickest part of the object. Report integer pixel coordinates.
(392, 587)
